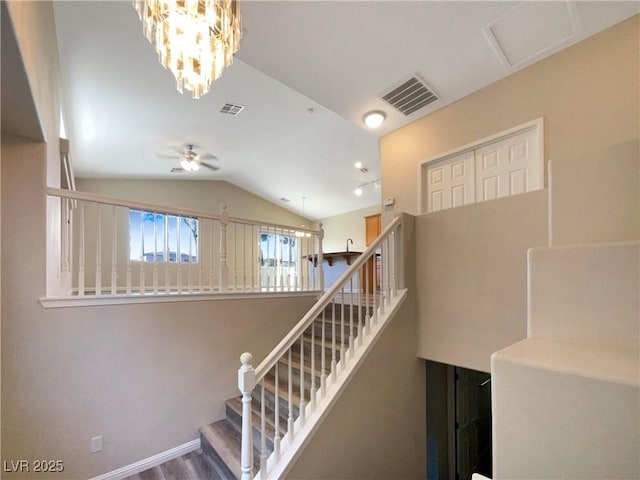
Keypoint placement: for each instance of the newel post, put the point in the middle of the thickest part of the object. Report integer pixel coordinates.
(224, 268)
(246, 384)
(320, 259)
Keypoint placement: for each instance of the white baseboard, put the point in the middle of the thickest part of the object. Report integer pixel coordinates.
(150, 462)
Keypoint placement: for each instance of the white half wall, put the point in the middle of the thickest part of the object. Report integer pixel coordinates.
(565, 411)
(471, 267)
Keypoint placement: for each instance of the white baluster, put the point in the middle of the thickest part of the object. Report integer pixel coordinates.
(333, 339)
(65, 237)
(351, 342)
(114, 254)
(367, 317)
(394, 261)
(246, 384)
(224, 268)
(383, 273)
(166, 257)
(342, 346)
(263, 432)
(276, 417)
(320, 259)
(302, 402)
(142, 279)
(388, 275)
(375, 288)
(190, 265)
(98, 290)
(312, 391)
(360, 292)
(128, 266)
(323, 364)
(290, 397)
(154, 279)
(234, 244)
(81, 253)
(199, 255)
(211, 257)
(244, 257)
(255, 240)
(178, 256)
(280, 261)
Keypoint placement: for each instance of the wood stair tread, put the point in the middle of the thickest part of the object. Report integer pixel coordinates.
(226, 441)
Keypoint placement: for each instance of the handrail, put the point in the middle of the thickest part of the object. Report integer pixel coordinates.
(286, 343)
(149, 207)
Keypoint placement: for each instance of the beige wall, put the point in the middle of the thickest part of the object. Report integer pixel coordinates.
(376, 429)
(34, 28)
(588, 295)
(471, 265)
(588, 95)
(347, 225)
(146, 377)
(200, 195)
(595, 197)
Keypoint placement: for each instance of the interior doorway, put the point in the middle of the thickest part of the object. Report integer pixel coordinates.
(458, 422)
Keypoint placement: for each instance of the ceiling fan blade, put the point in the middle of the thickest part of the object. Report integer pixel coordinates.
(208, 156)
(210, 167)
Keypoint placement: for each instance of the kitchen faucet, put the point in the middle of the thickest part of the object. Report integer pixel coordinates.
(349, 240)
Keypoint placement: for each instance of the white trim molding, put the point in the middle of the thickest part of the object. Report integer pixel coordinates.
(536, 125)
(150, 462)
(95, 300)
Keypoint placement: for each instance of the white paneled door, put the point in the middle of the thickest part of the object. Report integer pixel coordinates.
(450, 182)
(510, 165)
(507, 167)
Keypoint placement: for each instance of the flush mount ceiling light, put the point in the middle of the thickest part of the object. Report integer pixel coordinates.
(374, 118)
(195, 39)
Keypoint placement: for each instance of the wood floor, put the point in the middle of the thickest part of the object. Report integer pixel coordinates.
(190, 466)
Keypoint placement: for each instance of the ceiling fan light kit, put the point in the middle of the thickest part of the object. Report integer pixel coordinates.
(195, 39)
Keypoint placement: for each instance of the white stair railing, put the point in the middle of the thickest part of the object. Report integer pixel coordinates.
(351, 315)
(119, 248)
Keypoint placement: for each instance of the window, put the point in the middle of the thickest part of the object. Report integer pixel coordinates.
(278, 259)
(160, 238)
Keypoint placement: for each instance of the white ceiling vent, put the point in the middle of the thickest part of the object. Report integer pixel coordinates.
(232, 109)
(411, 96)
(177, 170)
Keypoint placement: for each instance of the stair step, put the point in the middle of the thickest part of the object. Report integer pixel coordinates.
(221, 444)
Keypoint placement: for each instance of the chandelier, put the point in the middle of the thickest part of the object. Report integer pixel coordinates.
(195, 39)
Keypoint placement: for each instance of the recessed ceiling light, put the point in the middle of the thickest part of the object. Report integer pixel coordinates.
(358, 191)
(358, 164)
(374, 118)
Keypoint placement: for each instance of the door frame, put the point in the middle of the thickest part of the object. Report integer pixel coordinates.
(536, 125)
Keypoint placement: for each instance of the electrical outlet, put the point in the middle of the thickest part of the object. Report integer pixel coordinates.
(96, 444)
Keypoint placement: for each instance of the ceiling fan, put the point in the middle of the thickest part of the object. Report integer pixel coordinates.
(190, 160)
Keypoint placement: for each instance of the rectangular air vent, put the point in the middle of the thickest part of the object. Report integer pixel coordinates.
(177, 170)
(231, 109)
(411, 96)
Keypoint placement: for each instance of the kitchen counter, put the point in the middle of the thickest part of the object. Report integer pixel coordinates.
(329, 257)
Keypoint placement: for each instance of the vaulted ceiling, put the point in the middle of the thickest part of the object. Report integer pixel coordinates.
(306, 73)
